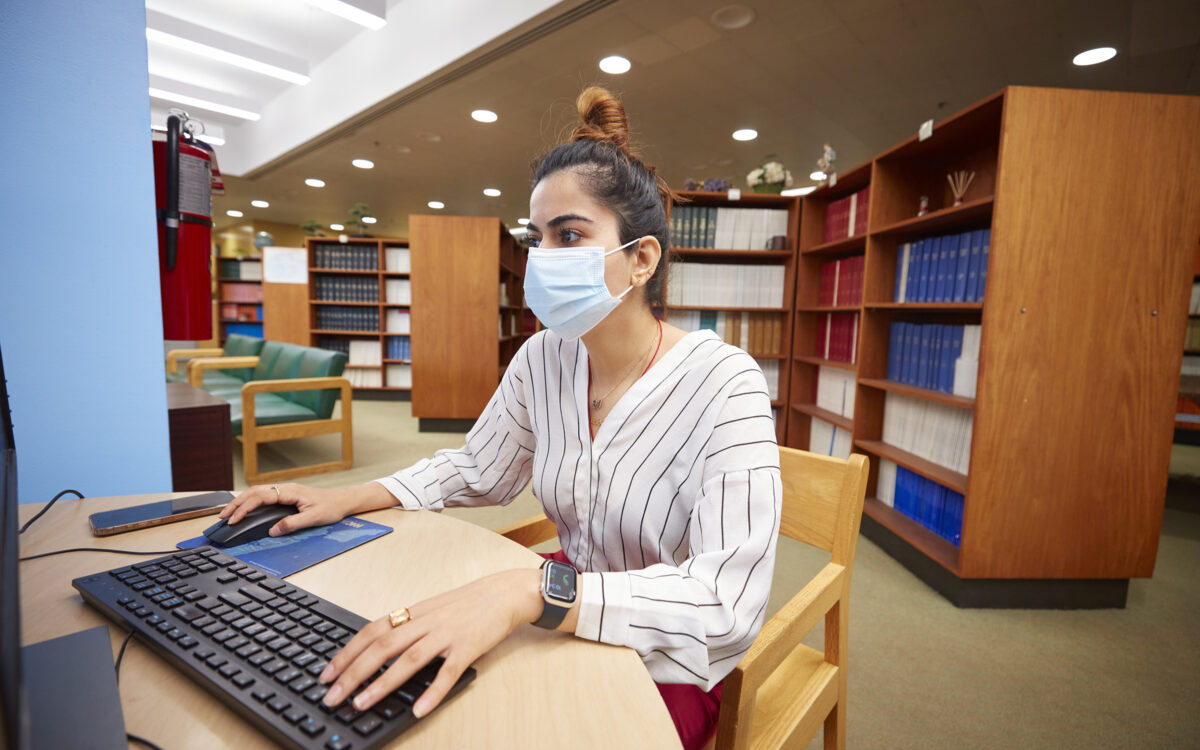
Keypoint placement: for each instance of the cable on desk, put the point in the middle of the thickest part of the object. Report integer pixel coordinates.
(121, 654)
(100, 549)
(141, 741)
(49, 505)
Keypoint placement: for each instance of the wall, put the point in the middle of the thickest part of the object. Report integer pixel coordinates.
(80, 322)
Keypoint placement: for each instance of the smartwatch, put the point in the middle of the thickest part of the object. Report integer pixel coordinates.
(558, 593)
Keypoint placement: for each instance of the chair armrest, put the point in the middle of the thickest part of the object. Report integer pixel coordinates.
(531, 531)
(792, 623)
(175, 355)
(196, 367)
(294, 384)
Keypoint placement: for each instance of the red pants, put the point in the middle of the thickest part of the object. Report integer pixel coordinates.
(693, 710)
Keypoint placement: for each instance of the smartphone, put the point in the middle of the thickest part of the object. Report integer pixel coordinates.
(155, 514)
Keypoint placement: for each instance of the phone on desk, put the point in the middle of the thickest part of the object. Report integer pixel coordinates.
(111, 522)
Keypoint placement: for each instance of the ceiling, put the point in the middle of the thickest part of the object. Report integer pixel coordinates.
(858, 74)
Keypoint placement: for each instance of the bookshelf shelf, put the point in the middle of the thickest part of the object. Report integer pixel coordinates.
(731, 309)
(923, 393)
(931, 307)
(928, 469)
(340, 332)
(239, 295)
(844, 246)
(973, 212)
(690, 253)
(397, 361)
(828, 308)
(930, 544)
(323, 302)
(822, 362)
(812, 410)
(396, 274)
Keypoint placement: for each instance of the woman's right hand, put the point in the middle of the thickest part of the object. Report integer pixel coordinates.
(317, 506)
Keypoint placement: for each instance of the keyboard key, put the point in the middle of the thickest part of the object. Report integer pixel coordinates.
(308, 600)
(142, 610)
(317, 667)
(192, 596)
(162, 596)
(163, 626)
(243, 680)
(297, 632)
(186, 573)
(323, 627)
(294, 714)
(310, 639)
(302, 683)
(287, 675)
(141, 586)
(206, 567)
(132, 605)
(304, 659)
(263, 693)
(220, 559)
(278, 703)
(260, 612)
(276, 602)
(224, 635)
(273, 666)
(278, 643)
(270, 620)
(316, 693)
(242, 622)
(234, 599)
(221, 611)
(233, 644)
(179, 587)
(238, 567)
(253, 629)
(311, 727)
(368, 724)
(248, 650)
(337, 742)
(208, 603)
(290, 652)
(216, 660)
(257, 575)
(311, 620)
(189, 613)
(324, 647)
(172, 603)
(389, 708)
(226, 577)
(208, 552)
(124, 599)
(203, 622)
(174, 634)
(287, 609)
(204, 652)
(286, 590)
(259, 658)
(347, 714)
(409, 692)
(337, 634)
(266, 636)
(273, 584)
(230, 616)
(187, 642)
(154, 620)
(229, 670)
(257, 593)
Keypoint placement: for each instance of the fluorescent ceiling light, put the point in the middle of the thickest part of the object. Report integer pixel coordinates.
(363, 163)
(522, 222)
(234, 213)
(491, 192)
(436, 204)
(1095, 56)
(314, 182)
(484, 115)
(745, 134)
(369, 13)
(213, 139)
(799, 191)
(214, 45)
(336, 227)
(817, 175)
(615, 64)
(369, 220)
(260, 204)
(205, 104)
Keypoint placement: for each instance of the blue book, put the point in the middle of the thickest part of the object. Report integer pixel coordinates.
(973, 266)
(923, 271)
(927, 354)
(936, 507)
(905, 352)
(983, 262)
(960, 267)
(939, 358)
(912, 287)
(895, 349)
(956, 345)
(935, 270)
(282, 556)
(947, 253)
(902, 503)
(900, 271)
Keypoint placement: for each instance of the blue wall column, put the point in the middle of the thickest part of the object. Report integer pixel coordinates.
(80, 319)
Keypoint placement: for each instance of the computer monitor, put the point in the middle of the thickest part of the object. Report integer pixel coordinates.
(10, 594)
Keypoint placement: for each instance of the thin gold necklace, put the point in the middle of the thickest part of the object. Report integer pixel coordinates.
(598, 402)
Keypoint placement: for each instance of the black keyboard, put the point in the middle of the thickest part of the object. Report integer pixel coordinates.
(256, 642)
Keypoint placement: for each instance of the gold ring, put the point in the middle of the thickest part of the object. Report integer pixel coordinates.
(399, 616)
(276, 488)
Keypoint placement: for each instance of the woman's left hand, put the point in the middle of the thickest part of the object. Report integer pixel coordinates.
(459, 625)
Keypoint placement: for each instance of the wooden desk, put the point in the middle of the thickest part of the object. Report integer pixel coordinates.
(536, 689)
(201, 441)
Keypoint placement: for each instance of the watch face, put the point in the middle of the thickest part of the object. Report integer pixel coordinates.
(558, 581)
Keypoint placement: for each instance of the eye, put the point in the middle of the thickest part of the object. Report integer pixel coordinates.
(568, 236)
(533, 241)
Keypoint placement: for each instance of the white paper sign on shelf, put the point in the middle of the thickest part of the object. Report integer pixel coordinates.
(925, 130)
(735, 194)
(285, 265)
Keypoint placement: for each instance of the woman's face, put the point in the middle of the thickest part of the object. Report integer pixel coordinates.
(563, 214)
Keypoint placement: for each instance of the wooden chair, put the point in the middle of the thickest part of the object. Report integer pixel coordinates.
(783, 691)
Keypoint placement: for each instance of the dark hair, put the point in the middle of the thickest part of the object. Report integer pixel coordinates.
(612, 173)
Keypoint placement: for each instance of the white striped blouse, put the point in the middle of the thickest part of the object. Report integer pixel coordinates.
(671, 512)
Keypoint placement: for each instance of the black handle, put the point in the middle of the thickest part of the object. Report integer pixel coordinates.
(172, 216)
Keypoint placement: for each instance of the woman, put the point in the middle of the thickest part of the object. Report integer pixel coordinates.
(652, 450)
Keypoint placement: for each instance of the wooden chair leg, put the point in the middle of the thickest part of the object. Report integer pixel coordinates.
(250, 459)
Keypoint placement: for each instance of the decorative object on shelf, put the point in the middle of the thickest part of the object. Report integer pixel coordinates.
(769, 178)
(825, 163)
(959, 182)
(358, 213)
(263, 239)
(710, 185)
(312, 228)
(924, 207)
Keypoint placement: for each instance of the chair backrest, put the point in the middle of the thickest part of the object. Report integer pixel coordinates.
(319, 363)
(239, 345)
(783, 691)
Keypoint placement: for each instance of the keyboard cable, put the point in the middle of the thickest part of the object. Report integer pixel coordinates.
(49, 505)
(117, 668)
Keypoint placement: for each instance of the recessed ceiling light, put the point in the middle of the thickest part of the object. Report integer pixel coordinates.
(522, 222)
(260, 204)
(615, 64)
(336, 227)
(1095, 56)
(369, 13)
(799, 191)
(436, 204)
(234, 213)
(817, 175)
(732, 17)
(745, 134)
(314, 182)
(214, 45)
(491, 192)
(369, 220)
(205, 104)
(484, 115)
(363, 163)
(429, 137)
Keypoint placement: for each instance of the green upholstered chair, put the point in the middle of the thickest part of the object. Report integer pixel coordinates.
(236, 345)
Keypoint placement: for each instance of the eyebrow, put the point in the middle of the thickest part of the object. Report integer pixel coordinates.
(556, 221)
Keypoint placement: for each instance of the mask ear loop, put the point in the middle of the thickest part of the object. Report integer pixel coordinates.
(622, 247)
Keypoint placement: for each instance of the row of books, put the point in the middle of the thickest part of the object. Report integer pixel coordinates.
(760, 334)
(835, 391)
(950, 268)
(1190, 366)
(245, 329)
(345, 289)
(334, 344)
(842, 281)
(251, 293)
(365, 352)
(938, 357)
(837, 337)
(935, 432)
(729, 228)
(398, 321)
(347, 318)
(512, 328)
(847, 217)
(399, 376)
(770, 370)
(339, 257)
(725, 285)
(937, 508)
(828, 439)
(1194, 301)
(398, 347)
(359, 378)
(234, 311)
(398, 291)
(397, 260)
(1192, 340)
(243, 270)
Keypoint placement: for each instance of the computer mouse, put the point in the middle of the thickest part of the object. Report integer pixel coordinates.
(253, 527)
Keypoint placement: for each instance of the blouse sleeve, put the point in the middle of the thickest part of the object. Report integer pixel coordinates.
(692, 623)
(491, 469)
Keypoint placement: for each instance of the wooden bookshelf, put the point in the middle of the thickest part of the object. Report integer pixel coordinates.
(1187, 422)
(772, 335)
(468, 313)
(235, 281)
(1079, 337)
(347, 282)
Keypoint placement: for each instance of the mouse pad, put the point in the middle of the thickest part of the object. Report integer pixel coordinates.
(283, 555)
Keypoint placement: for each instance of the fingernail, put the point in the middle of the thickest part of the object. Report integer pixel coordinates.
(420, 708)
(326, 674)
(334, 696)
(362, 700)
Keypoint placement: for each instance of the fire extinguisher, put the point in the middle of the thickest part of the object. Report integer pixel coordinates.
(183, 197)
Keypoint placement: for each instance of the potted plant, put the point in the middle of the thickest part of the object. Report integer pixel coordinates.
(357, 213)
(313, 228)
(769, 178)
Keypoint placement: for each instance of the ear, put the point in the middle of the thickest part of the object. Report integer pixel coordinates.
(646, 261)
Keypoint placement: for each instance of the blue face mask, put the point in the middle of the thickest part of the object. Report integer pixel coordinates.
(565, 288)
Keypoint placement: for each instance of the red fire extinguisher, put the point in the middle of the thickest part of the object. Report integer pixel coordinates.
(183, 196)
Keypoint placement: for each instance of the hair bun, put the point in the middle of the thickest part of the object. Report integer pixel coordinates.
(603, 118)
